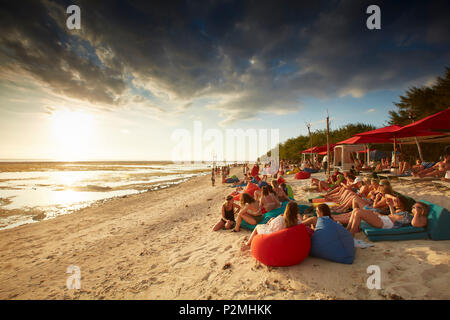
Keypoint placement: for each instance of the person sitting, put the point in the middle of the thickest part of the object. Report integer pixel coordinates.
(379, 203)
(345, 199)
(417, 167)
(269, 200)
(403, 167)
(228, 212)
(250, 212)
(281, 194)
(289, 218)
(322, 210)
(437, 171)
(397, 218)
(331, 183)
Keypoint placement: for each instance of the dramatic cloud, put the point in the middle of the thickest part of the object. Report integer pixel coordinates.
(247, 57)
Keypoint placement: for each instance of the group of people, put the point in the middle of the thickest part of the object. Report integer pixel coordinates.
(251, 208)
(372, 201)
(360, 199)
(215, 171)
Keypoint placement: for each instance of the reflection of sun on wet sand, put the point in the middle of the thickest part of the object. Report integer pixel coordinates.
(159, 245)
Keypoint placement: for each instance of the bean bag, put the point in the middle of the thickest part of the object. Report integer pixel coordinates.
(251, 188)
(283, 248)
(396, 234)
(438, 228)
(290, 192)
(302, 175)
(331, 241)
(237, 197)
(293, 171)
(281, 180)
(310, 170)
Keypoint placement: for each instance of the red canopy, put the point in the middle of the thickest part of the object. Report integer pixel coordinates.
(386, 132)
(437, 122)
(319, 150)
(365, 139)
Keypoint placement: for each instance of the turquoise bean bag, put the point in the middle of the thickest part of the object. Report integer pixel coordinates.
(333, 242)
(438, 228)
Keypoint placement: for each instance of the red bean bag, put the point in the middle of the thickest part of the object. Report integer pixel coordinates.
(281, 180)
(302, 175)
(251, 188)
(283, 248)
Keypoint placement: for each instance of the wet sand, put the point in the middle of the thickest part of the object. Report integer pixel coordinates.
(159, 245)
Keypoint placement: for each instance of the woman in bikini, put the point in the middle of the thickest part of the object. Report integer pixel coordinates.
(250, 212)
(269, 200)
(228, 212)
(397, 218)
(282, 196)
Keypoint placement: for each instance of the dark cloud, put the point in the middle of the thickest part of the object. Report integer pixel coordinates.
(250, 56)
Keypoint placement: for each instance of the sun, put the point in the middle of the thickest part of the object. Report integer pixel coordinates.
(73, 131)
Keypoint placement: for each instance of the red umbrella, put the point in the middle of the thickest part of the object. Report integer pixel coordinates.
(386, 132)
(364, 140)
(437, 122)
(319, 149)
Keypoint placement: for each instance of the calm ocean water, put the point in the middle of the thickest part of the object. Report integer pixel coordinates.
(35, 191)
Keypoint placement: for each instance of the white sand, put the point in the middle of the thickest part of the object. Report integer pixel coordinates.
(159, 245)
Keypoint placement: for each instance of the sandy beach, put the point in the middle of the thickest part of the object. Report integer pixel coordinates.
(159, 245)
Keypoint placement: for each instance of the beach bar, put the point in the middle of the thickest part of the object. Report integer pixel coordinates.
(342, 159)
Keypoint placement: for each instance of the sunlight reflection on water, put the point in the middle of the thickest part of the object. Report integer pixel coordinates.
(60, 192)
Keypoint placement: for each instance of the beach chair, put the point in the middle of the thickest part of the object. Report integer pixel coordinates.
(438, 228)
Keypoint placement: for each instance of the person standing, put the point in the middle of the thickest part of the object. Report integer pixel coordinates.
(325, 162)
(213, 179)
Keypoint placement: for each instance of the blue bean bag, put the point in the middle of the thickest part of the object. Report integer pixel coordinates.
(331, 241)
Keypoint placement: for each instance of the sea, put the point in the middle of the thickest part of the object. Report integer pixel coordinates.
(32, 191)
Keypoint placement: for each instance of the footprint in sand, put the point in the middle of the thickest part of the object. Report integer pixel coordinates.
(435, 272)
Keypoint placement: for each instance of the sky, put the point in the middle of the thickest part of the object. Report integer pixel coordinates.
(137, 79)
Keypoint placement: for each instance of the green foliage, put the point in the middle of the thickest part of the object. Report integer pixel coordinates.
(423, 101)
(292, 147)
(420, 102)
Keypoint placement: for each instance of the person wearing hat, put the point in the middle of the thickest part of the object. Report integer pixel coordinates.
(228, 211)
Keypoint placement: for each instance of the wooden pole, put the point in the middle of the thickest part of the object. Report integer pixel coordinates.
(412, 117)
(395, 151)
(328, 147)
(308, 125)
